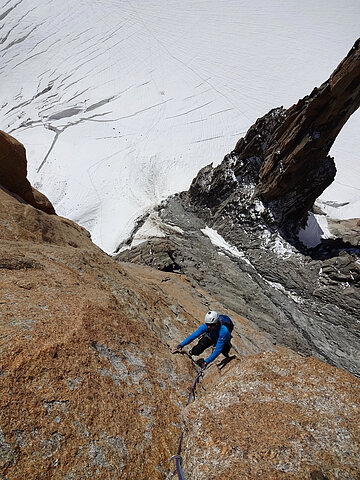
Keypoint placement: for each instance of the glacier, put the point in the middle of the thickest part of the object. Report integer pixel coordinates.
(120, 102)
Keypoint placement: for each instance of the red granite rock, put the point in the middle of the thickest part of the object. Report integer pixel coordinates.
(277, 416)
(13, 171)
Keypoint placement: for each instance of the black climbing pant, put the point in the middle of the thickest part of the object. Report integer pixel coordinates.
(206, 342)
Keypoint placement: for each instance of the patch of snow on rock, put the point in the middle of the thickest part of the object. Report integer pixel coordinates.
(220, 242)
(276, 244)
(259, 206)
(316, 229)
(153, 227)
(282, 248)
(281, 288)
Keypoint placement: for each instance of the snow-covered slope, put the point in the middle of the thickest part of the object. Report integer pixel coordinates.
(120, 103)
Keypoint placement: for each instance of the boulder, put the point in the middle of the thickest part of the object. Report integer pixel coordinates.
(348, 230)
(275, 416)
(13, 172)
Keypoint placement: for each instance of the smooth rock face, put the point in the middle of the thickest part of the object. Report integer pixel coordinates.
(13, 171)
(274, 416)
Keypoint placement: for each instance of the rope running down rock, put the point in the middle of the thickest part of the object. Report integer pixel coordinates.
(177, 457)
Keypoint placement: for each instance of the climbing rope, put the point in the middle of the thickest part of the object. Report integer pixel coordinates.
(177, 458)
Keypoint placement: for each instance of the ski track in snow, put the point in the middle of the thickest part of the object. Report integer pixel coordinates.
(120, 103)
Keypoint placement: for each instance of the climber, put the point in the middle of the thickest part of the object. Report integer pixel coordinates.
(215, 331)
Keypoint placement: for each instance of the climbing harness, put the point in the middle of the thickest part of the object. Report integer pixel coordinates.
(177, 458)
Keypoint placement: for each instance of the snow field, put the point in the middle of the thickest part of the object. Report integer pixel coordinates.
(120, 103)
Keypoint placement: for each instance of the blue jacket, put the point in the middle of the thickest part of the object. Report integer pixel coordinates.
(220, 335)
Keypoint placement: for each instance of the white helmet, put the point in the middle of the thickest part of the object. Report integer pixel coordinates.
(211, 317)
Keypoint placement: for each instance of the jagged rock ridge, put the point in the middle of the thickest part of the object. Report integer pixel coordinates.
(296, 168)
(284, 155)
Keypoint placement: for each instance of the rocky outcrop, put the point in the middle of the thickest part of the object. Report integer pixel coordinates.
(13, 171)
(301, 411)
(347, 230)
(296, 168)
(239, 169)
(283, 159)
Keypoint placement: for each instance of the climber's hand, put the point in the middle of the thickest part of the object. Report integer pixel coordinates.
(201, 362)
(177, 349)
